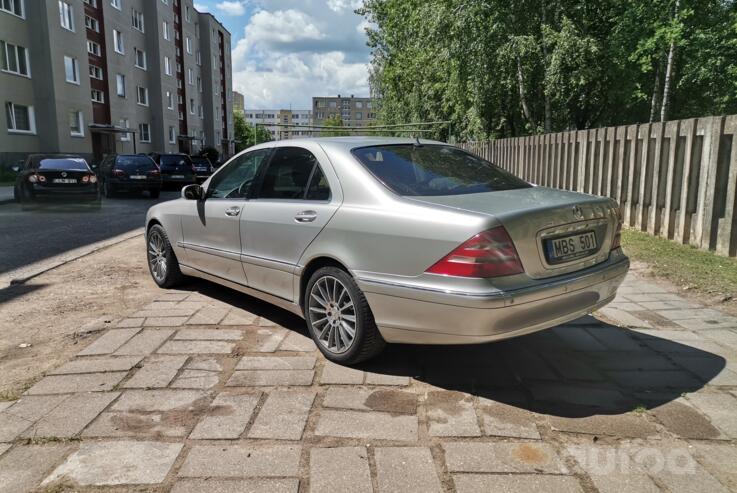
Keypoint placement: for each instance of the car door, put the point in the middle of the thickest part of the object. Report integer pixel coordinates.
(211, 227)
(297, 196)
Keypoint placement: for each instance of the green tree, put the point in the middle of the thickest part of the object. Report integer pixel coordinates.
(333, 121)
(248, 135)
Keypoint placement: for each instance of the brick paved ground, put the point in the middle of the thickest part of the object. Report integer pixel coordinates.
(218, 392)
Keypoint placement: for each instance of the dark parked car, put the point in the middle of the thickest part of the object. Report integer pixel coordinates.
(130, 173)
(55, 176)
(177, 170)
(202, 167)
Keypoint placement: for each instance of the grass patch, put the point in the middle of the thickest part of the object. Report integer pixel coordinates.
(683, 265)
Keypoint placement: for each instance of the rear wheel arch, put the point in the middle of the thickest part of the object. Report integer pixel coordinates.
(312, 267)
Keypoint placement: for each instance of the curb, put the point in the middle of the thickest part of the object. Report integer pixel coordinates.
(21, 276)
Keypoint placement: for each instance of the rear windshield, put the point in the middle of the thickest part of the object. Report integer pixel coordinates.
(64, 163)
(428, 170)
(137, 162)
(200, 160)
(175, 161)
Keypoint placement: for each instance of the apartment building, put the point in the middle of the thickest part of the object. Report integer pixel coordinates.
(100, 76)
(353, 111)
(239, 102)
(271, 118)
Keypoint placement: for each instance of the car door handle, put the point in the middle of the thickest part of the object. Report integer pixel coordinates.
(305, 216)
(232, 211)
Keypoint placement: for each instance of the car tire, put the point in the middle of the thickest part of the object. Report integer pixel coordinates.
(154, 194)
(162, 262)
(107, 190)
(332, 303)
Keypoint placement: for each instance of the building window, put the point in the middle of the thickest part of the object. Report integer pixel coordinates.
(200, 112)
(91, 3)
(140, 58)
(21, 119)
(66, 15)
(142, 96)
(199, 83)
(120, 85)
(169, 100)
(199, 58)
(95, 72)
(165, 2)
(76, 123)
(190, 77)
(167, 65)
(165, 30)
(144, 131)
(116, 4)
(137, 20)
(124, 123)
(181, 115)
(332, 104)
(93, 48)
(188, 44)
(187, 13)
(14, 59)
(179, 67)
(91, 24)
(98, 96)
(172, 135)
(71, 69)
(14, 7)
(191, 106)
(118, 42)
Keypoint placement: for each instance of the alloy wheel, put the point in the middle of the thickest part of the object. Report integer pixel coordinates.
(157, 255)
(332, 314)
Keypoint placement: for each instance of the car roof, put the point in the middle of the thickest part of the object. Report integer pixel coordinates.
(353, 142)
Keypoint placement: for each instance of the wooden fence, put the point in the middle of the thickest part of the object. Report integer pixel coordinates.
(677, 179)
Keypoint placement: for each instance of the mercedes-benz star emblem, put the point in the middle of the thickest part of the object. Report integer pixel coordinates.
(63, 174)
(577, 212)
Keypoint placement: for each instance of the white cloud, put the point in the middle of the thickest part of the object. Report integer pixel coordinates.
(288, 54)
(235, 8)
(201, 7)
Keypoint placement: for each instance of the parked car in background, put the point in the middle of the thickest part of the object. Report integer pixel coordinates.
(202, 167)
(129, 173)
(176, 170)
(376, 240)
(55, 177)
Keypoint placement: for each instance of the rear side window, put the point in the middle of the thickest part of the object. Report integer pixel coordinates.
(431, 170)
(135, 162)
(294, 174)
(175, 161)
(64, 163)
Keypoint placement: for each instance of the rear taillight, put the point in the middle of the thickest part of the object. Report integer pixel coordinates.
(617, 240)
(488, 254)
(118, 172)
(93, 179)
(85, 179)
(37, 178)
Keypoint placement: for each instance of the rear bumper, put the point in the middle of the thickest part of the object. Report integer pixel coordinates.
(135, 186)
(415, 316)
(76, 193)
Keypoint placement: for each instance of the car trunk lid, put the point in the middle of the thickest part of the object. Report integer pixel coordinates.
(543, 222)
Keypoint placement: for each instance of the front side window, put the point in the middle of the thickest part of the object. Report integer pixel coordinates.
(66, 15)
(71, 69)
(432, 170)
(236, 179)
(14, 7)
(20, 118)
(14, 59)
(289, 175)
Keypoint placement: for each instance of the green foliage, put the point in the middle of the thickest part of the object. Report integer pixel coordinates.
(210, 153)
(337, 122)
(497, 68)
(247, 135)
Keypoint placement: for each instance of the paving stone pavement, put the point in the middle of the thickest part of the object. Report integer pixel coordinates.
(213, 391)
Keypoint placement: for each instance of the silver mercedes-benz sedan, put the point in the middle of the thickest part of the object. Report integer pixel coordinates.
(375, 240)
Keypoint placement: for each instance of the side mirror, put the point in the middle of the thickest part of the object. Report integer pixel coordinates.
(95, 166)
(16, 169)
(193, 192)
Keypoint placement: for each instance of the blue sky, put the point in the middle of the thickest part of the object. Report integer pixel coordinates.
(286, 51)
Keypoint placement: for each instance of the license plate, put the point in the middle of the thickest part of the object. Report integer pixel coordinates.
(177, 176)
(65, 180)
(138, 177)
(571, 247)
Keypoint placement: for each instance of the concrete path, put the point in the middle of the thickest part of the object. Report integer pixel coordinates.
(191, 393)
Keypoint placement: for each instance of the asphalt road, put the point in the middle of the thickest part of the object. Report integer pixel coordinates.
(33, 235)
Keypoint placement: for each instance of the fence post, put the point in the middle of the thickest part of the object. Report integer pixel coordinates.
(727, 231)
(672, 179)
(705, 206)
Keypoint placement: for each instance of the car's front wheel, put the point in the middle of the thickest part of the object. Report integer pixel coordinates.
(339, 318)
(162, 263)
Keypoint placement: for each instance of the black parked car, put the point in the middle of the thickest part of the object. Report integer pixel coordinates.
(202, 167)
(130, 173)
(54, 177)
(177, 170)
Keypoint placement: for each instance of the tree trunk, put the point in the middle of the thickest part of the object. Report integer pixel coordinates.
(669, 69)
(548, 115)
(655, 101)
(522, 92)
